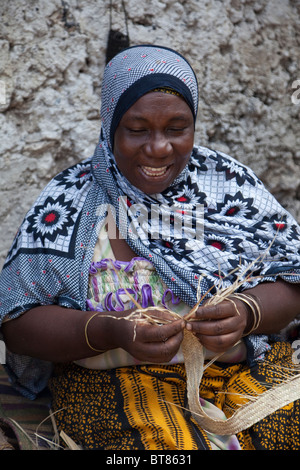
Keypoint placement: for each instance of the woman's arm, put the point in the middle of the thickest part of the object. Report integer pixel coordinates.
(220, 327)
(58, 334)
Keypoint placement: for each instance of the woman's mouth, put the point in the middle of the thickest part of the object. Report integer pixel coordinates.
(154, 172)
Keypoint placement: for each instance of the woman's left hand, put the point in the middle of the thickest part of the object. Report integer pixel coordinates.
(219, 327)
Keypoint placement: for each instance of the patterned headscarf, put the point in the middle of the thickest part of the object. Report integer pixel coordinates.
(138, 70)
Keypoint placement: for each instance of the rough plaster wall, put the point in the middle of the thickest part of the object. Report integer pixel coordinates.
(52, 53)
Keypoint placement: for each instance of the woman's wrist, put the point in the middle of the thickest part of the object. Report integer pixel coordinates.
(104, 330)
(252, 307)
(86, 333)
(98, 335)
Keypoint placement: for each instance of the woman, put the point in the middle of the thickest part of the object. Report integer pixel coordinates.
(152, 221)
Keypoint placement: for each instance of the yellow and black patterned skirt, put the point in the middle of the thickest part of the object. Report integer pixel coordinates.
(133, 407)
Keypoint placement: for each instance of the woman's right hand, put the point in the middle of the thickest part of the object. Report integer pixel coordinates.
(157, 343)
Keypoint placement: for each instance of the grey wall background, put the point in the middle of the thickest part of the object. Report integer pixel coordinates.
(52, 54)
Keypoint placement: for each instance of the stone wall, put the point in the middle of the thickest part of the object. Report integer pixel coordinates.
(52, 54)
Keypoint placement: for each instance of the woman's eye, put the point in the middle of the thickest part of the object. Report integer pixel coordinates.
(176, 129)
(137, 131)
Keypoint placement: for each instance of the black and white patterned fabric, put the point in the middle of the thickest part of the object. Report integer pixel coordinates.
(232, 225)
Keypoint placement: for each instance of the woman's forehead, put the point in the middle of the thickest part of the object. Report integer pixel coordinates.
(150, 106)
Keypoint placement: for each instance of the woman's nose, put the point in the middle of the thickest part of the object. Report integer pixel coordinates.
(158, 146)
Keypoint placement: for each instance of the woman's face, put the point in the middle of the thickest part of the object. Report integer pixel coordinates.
(154, 141)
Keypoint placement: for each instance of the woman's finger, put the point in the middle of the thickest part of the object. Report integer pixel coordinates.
(216, 312)
(218, 344)
(156, 346)
(159, 333)
(214, 328)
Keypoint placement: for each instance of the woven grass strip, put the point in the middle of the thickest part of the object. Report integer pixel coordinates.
(246, 416)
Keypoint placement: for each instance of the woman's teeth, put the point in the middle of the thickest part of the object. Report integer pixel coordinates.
(149, 171)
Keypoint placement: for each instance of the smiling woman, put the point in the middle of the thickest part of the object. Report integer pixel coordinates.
(71, 289)
(152, 147)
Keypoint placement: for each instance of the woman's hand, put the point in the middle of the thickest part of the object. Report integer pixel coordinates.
(156, 343)
(219, 327)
